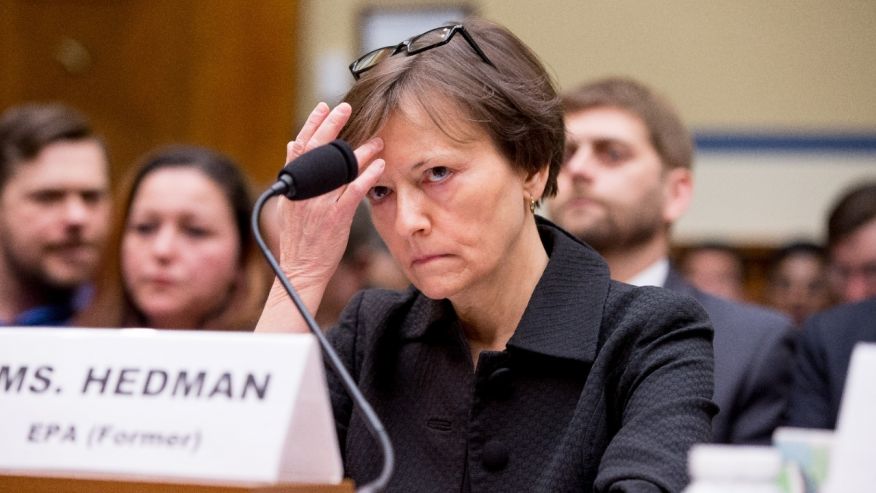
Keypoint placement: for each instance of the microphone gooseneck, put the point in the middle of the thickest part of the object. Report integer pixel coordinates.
(338, 157)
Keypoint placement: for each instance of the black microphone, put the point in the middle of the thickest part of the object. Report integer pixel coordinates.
(316, 172)
(319, 171)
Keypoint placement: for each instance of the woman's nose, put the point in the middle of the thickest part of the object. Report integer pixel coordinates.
(164, 243)
(410, 217)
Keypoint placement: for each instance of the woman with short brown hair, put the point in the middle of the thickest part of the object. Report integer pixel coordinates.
(513, 363)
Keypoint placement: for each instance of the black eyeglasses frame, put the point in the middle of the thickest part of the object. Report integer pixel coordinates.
(406, 46)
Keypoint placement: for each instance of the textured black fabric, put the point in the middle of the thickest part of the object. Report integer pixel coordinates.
(822, 362)
(603, 386)
(754, 349)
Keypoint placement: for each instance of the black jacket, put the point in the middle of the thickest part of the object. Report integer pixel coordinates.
(603, 386)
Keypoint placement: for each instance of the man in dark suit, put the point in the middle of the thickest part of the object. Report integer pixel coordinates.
(828, 338)
(626, 179)
(822, 362)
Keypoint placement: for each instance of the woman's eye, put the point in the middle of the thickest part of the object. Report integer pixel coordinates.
(437, 174)
(378, 192)
(196, 231)
(143, 228)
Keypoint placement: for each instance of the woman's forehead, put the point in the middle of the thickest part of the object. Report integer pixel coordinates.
(179, 184)
(437, 113)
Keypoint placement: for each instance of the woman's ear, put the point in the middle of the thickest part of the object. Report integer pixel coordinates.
(534, 183)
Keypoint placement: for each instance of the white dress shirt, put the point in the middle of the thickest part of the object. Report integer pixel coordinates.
(654, 275)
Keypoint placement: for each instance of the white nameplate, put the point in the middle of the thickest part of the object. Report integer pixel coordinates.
(209, 407)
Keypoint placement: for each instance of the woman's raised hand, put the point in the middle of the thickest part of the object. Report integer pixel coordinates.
(314, 232)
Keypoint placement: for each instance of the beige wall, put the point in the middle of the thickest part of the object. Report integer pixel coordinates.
(798, 63)
(743, 65)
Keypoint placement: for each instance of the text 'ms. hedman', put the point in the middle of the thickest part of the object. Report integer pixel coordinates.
(135, 381)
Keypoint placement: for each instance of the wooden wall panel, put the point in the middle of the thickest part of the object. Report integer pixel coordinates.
(218, 73)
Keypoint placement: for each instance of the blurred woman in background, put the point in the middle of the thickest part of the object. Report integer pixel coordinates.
(181, 255)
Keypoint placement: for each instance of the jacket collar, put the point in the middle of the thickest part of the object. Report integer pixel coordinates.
(564, 315)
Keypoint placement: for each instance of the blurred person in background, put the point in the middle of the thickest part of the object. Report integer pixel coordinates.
(797, 281)
(823, 354)
(54, 213)
(821, 363)
(626, 179)
(851, 244)
(715, 268)
(181, 254)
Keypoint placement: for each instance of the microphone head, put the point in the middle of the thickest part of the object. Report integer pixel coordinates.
(320, 170)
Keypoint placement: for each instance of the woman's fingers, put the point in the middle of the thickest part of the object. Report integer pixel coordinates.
(299, 146)
(365, 155)
(313, 122)
(357, 189)
(331, 126)
(293, 150)
(321, 127)
(366, 152)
